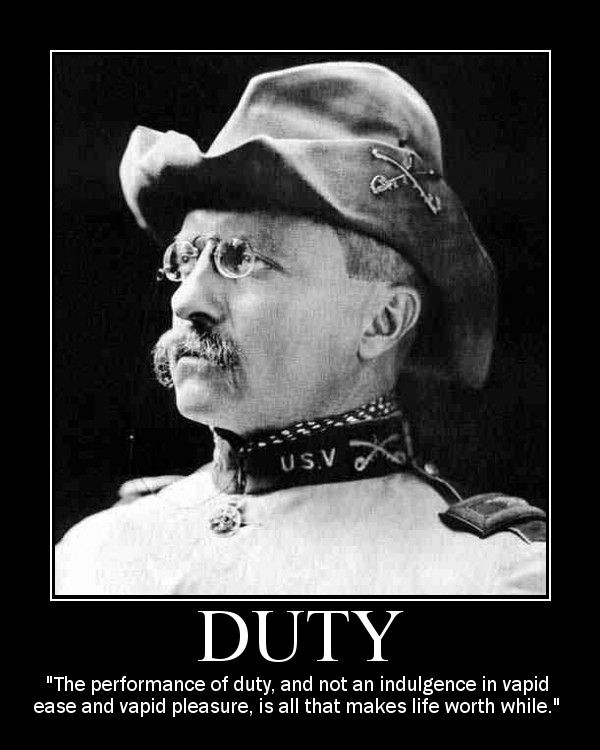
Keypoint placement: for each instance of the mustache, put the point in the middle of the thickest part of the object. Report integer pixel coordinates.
(218, 350)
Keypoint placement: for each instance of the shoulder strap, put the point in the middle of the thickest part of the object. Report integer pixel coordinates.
(134, 489)
(485, 514)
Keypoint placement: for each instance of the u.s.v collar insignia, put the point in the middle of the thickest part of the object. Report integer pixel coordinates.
(380, 183)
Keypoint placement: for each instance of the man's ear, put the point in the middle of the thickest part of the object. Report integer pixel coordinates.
(398, 312)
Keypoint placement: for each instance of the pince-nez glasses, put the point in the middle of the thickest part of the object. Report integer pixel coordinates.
(233, 259)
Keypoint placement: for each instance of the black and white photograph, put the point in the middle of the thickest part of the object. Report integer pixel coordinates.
(300, 384)
(300, 324)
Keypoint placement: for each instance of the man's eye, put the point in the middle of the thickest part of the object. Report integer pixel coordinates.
(237, 259)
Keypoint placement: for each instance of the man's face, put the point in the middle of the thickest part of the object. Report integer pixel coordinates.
(294, 325)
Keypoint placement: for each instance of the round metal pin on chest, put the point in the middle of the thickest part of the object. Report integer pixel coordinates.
(226, 521)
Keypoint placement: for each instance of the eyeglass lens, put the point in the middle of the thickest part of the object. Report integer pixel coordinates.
(233, 260)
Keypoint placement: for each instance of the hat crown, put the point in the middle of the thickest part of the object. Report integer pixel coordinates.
(334, 101)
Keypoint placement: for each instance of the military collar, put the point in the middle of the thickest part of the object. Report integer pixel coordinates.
(369, 441)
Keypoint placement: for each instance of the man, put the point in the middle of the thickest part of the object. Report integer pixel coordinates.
(319, 255)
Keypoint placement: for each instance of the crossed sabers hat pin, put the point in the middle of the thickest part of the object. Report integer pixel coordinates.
(380, 183)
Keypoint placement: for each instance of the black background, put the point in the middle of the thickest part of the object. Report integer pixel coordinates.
(492, 111)
(144, 640)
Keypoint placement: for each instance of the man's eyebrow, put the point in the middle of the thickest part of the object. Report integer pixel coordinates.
(193, 236)
(262, 241)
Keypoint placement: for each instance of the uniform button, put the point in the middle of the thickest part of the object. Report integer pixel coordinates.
(431, 469)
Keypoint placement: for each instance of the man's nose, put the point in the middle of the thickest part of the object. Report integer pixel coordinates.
(200, 293)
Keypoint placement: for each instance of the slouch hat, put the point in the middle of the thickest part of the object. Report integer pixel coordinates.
(351, 144)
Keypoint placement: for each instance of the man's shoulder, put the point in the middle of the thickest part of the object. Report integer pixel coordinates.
(484, 514)
(149, 492)
(148, 497)
(135, 515)
(494, 536)
(399, 521)
(422, 498)
(115, 545)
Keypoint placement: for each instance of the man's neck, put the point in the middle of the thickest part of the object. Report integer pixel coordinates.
(367, 389)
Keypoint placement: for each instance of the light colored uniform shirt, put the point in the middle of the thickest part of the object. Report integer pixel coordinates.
(371, 537)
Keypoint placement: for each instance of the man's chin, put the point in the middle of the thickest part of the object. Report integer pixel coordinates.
(201, 399)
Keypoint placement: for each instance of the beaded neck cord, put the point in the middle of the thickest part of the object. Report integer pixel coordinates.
(381, 407)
